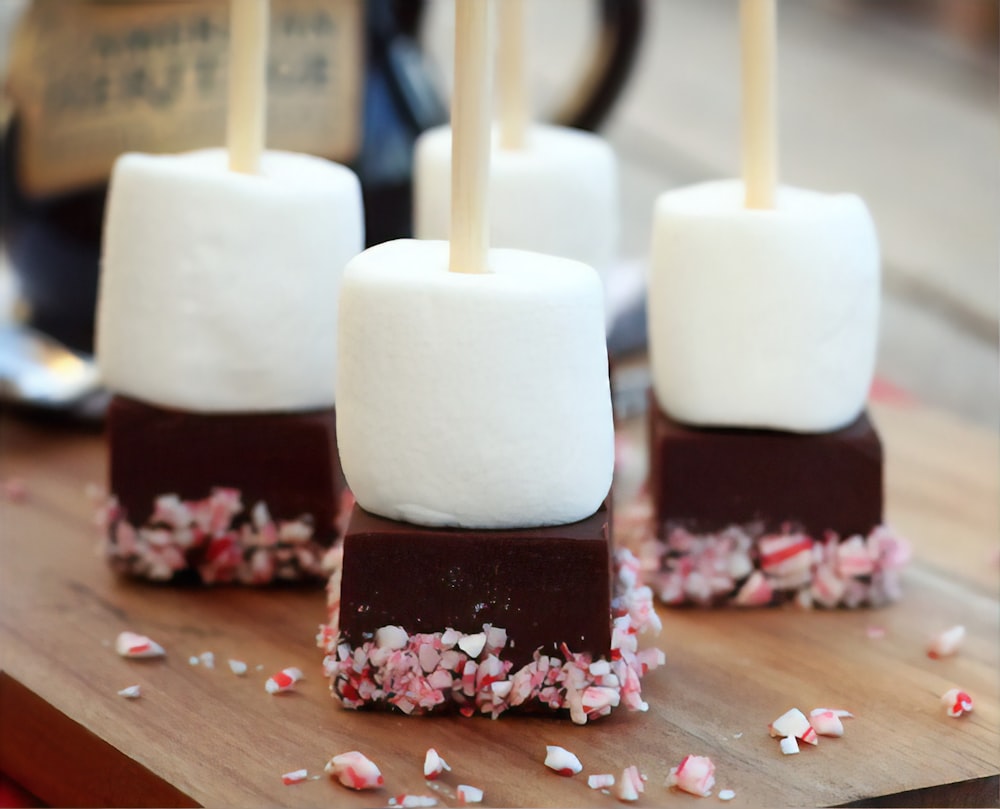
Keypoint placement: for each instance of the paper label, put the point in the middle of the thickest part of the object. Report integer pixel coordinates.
(90, 79)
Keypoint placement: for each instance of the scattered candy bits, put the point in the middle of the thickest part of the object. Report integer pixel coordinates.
(793, 723)
(132, 645)
(413, 801)
(695, 774)
(826, 721)
(789, 746)
(600, 781)
(956, 702)
(726, 794)
(631, 784)
(467, 794)
(130, 692)
(434, 765)
(284, 680)
(946, 643)
(355, 771)
(561, 760)
(295, 777)
(238, 667)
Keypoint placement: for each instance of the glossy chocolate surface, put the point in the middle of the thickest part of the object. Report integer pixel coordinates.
(288, 460)
(545, 586)
(708, 479)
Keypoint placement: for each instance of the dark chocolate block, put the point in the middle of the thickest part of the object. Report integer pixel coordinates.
(287, 460)
(544, 586)
(708, 479)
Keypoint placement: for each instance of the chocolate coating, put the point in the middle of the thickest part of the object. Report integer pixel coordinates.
(288, 460)
(545, 586)
(707, 479)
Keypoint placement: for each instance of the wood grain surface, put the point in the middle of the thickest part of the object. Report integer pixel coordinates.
(199, 736)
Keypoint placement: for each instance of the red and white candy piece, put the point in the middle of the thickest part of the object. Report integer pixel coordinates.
(695, 774)
(789, 746)
(946, 643)
(355, 771)
(294, 777)
(413, 801)
(132, 645)
(956, 702)
(434, 765)
(467, 794)
(130, 692)
(601, 781)
(793, 723)
(826, 721)
(561, 760)
(284, 680)
(631, 785)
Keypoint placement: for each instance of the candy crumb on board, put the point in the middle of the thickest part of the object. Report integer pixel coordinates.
(789, 746)
(284, 680)
(413, 801)
(695, 774)
(133, 645)
(130, 692)
(561, 760)
(945, 644)
(600, 781)
(434, 765)
(726, 794)
(630, 785)
(793, 723)
(956, 702)
(14, 490)
(355, 771)
(294, 777)
(207, 659)
(467, 794)
(237, 667)
(194, 660)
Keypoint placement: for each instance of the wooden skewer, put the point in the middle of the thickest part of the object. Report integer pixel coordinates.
(513, 91)
(470, 138)
(760, 147)
(248, 34)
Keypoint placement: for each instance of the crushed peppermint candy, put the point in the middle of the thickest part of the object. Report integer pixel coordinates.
(789, 746)
(601, 781)
(726, 794)
(194, 660)
(427, 672)
(130, 692)
(745, 566)
(355, 771)
(294, 777)
(956, 702)
(793, 723)
(283, 681)
(630, 785)
(434, 765)
(826, 721)
(216, 539)
(875, 632)
(467, 794)
(946, 643)
(695, 774)
(237, 667)
(14, 490)
(207, 659)
(414, 801)
(135, 646)
(562, 761)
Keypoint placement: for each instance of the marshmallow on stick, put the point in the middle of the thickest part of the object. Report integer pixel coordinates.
(552, 189)
(763, 300)
(472, 384)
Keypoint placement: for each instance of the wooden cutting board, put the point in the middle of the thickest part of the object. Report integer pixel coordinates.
(200, 736)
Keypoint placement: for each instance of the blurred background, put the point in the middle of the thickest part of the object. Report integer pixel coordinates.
(896, 100)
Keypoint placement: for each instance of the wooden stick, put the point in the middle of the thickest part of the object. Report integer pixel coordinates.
(760, 149)
(470, 138)
(513, 91)
(248, 33)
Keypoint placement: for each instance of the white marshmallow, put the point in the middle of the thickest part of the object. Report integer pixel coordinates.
(763, 319)
(219, 290)
(557, 195)
(479, 401)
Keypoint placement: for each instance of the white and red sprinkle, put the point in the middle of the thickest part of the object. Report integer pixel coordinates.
(130, 692)
(294, 777)
(434, 765)
(726, 794)
(468, 794)
(946, 643)
(600, 781)
(237, 667)
(695, 774)
(630, 785)
(956, 702)
(413, 801)
(793, 723)
(283, 681)
(355, 771)
(789, 746)
(133, 645)
(562, 760)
